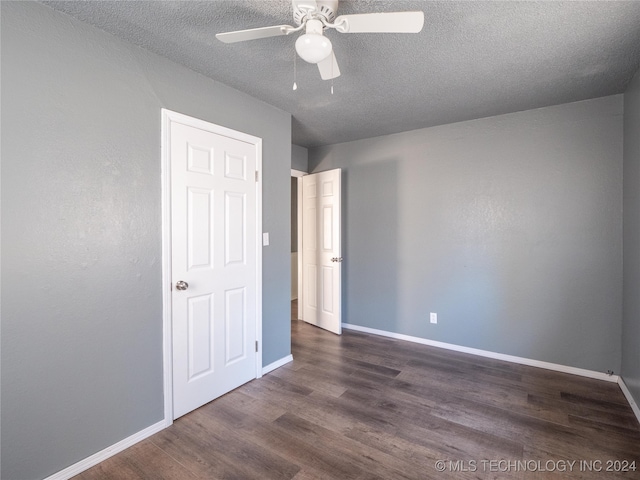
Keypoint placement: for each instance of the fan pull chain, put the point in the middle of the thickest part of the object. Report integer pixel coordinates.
(295, 72)
(332, 76)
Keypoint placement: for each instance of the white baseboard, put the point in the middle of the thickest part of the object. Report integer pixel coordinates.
(484, 353)
(629, 397)
(110, 451)
(102, 455)
(277, 364)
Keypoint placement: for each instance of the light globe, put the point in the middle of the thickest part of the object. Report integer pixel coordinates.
(312, 47)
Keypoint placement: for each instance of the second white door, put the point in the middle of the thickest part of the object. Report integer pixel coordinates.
(321, 250)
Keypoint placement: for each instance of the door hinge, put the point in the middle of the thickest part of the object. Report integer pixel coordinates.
(257, 176)
(256, 345)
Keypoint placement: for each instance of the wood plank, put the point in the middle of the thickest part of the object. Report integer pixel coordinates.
(360, 406)
(142, 461)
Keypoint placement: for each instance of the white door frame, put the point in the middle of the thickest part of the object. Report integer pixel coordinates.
(299, 174)
(169, 116)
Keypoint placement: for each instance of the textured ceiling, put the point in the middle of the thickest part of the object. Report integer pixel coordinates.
(472, 59)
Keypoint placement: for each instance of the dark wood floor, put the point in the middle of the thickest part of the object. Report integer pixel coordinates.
(366, 407)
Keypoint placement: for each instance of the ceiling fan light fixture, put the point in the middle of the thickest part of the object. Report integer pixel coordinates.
(313, 47)
(315, 16)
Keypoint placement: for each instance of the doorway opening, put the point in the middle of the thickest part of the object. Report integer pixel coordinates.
(319, 249)
(296, 243)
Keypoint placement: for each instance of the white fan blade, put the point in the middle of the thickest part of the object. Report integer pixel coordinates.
(329, 68)
(253, 33)
(389, 22)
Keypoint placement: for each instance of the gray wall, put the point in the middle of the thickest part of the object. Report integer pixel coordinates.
(509, 227)
(81, 233)
(299, 158)
(631, 305)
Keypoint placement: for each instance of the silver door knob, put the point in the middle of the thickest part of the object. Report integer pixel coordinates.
(336, 259)
(182, 285)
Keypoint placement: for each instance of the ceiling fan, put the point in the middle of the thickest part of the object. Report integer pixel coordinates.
(314, 16)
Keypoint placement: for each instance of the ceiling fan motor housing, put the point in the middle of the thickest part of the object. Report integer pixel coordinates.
(322, 8)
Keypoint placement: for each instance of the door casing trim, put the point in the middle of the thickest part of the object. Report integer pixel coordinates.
(169, 116)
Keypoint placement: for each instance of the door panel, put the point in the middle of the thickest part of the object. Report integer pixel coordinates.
(199, 218)
(312, 295)
(327, 231)
(321, 250)
(235, 326)
(327, 289)
(213, 240)
(235, 235)
(200, 335)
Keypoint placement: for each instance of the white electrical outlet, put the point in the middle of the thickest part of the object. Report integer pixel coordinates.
(433, 317)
